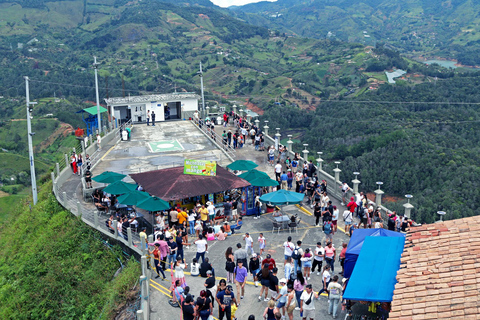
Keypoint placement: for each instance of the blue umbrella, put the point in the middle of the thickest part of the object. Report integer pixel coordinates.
(281, 197)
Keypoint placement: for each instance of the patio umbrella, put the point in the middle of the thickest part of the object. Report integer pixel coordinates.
(281, 197)
(120, 187)
(109, 177)
(252, 175)
(153, 204)
(263, 182)
(242, 165)
(133, 198)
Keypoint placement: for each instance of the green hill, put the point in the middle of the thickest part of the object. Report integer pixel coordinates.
(418, 27)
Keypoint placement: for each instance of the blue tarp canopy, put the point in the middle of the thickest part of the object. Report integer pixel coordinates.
(356, 242)
(380, 257)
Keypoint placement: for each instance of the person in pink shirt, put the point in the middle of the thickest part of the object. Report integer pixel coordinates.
(163, 248)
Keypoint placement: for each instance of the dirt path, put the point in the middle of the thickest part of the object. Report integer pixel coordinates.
(64, 130)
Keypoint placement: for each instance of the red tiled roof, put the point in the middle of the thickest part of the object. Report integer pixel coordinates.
(439, 276)
(171, 184)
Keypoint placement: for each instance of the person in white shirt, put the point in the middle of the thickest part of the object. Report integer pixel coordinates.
(278, 171)
(289, 246)
(202, 247)
(325, 279)
(318, 257)
(288, 268)
(345, 189)
(334, 294)
(307, 304)
(248, 242)
(348, 219)
(99, 142)
(335, 214)
(194, 268)
(271, 155)
(211, 212)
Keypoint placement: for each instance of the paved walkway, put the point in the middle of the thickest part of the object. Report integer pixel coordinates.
(307, 233)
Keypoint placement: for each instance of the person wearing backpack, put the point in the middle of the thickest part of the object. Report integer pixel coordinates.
(334, 294)
(296, 256)
(328, 230)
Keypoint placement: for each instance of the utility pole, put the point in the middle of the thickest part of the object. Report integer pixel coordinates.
(30, 146)
(99, 118)
(201, 85)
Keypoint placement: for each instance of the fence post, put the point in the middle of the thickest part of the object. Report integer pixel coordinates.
(140, 315)
(52, 175)
(95, 218)
(355, 182)
(129, 236)
(66, 161)
(378, 194)
(240, 112)
(55, 189)
(234, 109)
(115, 230)
(65, 198)
(79, 209)
(257, 123)
(277, 139)
(57, 167)
(143, 263)
(145, 295)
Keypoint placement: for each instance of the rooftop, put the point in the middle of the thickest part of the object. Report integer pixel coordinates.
(152, 97)
(439, 276)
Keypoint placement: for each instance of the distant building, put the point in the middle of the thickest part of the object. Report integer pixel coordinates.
(169, 106)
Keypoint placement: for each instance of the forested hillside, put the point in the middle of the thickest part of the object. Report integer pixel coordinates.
(53, 266)
(422, 140)
(419, 27)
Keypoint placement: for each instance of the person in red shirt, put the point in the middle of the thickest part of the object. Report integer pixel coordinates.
(270, 261)
(156, 256)
(342, 256)
(352, 205)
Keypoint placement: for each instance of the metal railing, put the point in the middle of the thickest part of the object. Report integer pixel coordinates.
(217, 139)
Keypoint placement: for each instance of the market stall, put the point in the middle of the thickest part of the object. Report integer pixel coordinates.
(196, 182)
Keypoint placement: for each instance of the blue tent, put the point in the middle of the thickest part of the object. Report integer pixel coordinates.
(380, 257)
(356, 242)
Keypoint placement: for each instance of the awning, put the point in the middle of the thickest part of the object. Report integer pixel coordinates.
(93, 110)
(171, 184)
(356, 242)
(374, 276)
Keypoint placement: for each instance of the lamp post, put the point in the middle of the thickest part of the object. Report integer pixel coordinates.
(99, 118)
(30, 134)
(378, 194)
(305, 152)
(320, 161)
(265, 127)
(289, 143)
(441, 214)
(355, 182)
(408, 206)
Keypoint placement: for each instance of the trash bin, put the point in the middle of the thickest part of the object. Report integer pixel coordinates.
(270, 208)
(124, 135)
(219, 121)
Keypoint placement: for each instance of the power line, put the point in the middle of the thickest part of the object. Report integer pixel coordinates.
(271, 98)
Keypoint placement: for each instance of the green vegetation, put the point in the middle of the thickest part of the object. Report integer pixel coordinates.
(417, 28)
(53, 266)
(416, 139)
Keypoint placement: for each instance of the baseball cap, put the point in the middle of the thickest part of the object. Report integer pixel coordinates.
(283, 280)
(254, 255)
(209, 272)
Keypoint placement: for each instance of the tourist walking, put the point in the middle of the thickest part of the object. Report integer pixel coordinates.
(334, 294)
(307, 303)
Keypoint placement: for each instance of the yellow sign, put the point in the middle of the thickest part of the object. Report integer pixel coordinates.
(200, 167)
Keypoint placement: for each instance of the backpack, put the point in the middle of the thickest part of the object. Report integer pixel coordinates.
(327, 227)
(296, 254)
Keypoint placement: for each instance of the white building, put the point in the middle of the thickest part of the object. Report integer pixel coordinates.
(167, 106)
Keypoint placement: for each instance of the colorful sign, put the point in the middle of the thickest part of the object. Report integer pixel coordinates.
(200, 167)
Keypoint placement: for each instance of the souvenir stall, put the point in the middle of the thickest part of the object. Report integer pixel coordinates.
(198, 181)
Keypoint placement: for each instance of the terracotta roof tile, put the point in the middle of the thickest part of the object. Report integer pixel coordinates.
(440, 272)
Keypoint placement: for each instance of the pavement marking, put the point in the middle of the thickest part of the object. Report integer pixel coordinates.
(304, 210)
(159, 289)
(107, 153)
(311, 214)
